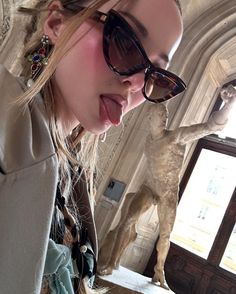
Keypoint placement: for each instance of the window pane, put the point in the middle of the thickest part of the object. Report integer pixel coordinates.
(229, 130)
(204, 202)
(228, 261)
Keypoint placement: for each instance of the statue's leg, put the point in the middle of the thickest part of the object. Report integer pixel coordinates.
(131, 236)
(166, 209)
(141, 201)
(107, 248)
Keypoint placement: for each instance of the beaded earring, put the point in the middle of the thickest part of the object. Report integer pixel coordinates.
(39, 58)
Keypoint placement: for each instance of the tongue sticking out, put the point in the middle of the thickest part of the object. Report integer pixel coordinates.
(113, 110)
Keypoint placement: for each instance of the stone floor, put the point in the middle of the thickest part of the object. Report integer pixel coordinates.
(124, 281)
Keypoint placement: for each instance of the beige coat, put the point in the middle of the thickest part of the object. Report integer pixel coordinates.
(28, 181)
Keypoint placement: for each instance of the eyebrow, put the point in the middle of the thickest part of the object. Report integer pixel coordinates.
(143, 31)
(137, 23)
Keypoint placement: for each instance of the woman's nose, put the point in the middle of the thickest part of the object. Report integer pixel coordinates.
(134, 82)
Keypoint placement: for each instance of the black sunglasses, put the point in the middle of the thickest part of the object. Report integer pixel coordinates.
(126, 56)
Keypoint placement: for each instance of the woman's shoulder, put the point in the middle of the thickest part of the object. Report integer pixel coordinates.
(24, 133)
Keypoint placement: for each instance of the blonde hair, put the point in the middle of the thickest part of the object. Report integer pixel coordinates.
(80, 147)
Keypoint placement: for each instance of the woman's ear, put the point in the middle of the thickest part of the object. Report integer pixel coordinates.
(54, 22)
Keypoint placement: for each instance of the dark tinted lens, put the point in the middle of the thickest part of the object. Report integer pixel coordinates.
(123, 52)
(158, 86)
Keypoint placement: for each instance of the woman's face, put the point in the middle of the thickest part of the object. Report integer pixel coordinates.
(87, 90)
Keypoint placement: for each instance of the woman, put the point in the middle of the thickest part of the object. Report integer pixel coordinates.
(88, 64)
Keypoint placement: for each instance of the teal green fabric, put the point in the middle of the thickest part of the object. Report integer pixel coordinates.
(59, 269)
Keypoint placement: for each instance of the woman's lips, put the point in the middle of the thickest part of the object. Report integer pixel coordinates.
(111, 108)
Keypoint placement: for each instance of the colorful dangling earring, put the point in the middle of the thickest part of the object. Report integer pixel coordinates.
(39, 58)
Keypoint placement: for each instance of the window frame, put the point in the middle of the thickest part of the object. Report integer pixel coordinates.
(225, 146)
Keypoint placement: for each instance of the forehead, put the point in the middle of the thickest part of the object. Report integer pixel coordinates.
(162, 21)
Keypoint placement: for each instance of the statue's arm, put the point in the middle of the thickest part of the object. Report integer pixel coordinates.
(216, 121)
(188, 134)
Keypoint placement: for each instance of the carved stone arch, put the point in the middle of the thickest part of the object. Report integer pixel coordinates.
(206, 61)
(207, 27)
(195, 58)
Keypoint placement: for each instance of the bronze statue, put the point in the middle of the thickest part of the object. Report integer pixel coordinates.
(165, 151)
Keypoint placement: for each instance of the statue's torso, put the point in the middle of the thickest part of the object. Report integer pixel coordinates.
(164, 162)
